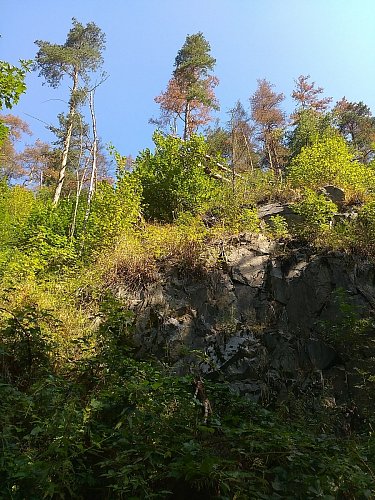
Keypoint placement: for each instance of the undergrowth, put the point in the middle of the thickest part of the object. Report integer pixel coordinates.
(115, 427)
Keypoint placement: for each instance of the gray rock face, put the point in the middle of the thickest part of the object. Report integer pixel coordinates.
(334, 193)
(258, 321)
(265, 212)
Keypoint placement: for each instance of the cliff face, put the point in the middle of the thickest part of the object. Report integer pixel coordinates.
(272, 321)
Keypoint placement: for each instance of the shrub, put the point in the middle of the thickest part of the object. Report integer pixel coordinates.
(278, 227)
(330, 161)
(115, 209)
(24, 343)
(317, 212)
(16, 204)
(364, 230)
(173, 178)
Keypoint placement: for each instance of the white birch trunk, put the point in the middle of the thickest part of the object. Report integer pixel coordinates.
(68, 136)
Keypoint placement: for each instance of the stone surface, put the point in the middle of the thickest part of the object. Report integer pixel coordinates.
(265, 212)
(258, 322)
(334, 193)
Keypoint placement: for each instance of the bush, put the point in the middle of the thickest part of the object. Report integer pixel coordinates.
(24, 343)
(115, 209)
(174, 179)
(364, 230)
(317, 212)
(278, 227)
(44, 238)
(330, 161)
(16, 204)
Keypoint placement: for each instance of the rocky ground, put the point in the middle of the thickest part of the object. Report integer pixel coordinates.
(274, 320)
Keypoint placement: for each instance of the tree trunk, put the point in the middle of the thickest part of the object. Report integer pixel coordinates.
(187, 121)
(234, 157)
(79, 185)
(93, 177)
(72, 109)
(249, 153)
(78, 194)
(94, 158)
(269, 156)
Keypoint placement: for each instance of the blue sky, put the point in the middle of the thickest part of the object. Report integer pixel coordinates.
(332, 40)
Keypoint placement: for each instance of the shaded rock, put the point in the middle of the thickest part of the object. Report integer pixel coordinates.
(322, 356)
(257, 243)
(265, 212)
(247, 267)
(257, 323)
(249, 389)
(334, 193)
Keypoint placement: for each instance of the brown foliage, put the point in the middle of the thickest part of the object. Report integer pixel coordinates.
(10, 166)
(175, 103)
(269, 121)
(265, 110)
(307, 95)
(35, 159)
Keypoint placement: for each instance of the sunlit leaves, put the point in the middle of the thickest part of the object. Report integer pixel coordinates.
(330, 161)
(174, 178)
(12, 82)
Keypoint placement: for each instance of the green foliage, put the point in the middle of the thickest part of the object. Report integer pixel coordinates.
(173, 178)
(41, 232)
(136, 432)
(311, 128)
(364, 230)
(233, 207)
(16, 204)
(348, 326)
(12, 83)
(24, 343)
(316, 211)
(81, 53)
(330, 161)
(82, 415)
(45, 237)
(114, 209)
(357, 125)
(193, 62)
(278, 227)
(12, 86)
(86, 419)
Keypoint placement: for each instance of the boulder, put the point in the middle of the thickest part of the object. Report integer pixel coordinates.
(334, 193)
(322, 356)
(265, 212)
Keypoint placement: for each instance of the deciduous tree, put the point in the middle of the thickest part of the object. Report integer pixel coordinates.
(35, 160)
(310, 119)
(12, 85)
(357, 125)
(269, 121)
(10, 164)
(331, 161)
(243, 155)
(307, 95)
(174, 177)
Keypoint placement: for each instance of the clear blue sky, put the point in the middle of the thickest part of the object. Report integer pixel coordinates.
(332, 40)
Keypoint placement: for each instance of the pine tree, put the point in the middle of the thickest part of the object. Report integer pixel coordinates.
(80, 55)
(190, 93)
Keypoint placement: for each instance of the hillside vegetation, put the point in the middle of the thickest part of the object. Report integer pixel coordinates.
(84, 414)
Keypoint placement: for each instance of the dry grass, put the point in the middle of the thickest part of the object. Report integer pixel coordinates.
(139, 257)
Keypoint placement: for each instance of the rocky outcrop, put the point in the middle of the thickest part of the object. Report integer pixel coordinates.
(263, 321)
(285, 210)
(334, 194)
